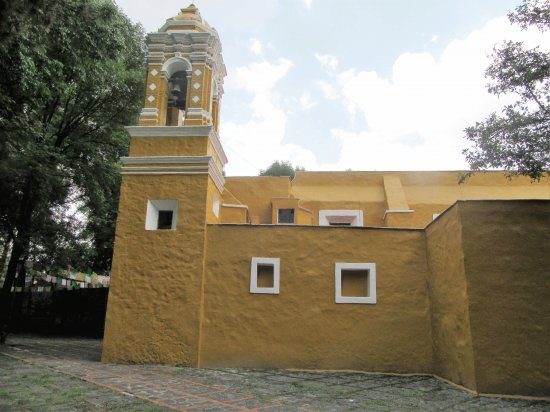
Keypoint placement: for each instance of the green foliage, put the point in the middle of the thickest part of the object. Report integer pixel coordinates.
(281, 168)
(72, 77)
(517, 139)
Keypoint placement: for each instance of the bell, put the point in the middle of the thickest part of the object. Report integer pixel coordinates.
(176, 89)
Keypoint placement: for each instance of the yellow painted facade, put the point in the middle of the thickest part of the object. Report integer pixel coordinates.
(358, 275)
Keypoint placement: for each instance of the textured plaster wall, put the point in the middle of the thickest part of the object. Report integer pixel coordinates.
(448, 291)
(507, 262)
(304, 216)
(233, 214)
(154, 300)
(342, 190)
(169, 146)
(256, 193)
(397, 219)
(395, 197)
(425, 192)
(302, 326)
(443, 188)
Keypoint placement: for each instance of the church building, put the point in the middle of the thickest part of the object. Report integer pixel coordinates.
(398, 272)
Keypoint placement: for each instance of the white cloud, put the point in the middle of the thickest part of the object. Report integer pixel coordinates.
(327, 61)
(416, 118)
(329, 90)
(306, 102)
(259, 141)
(434, 38)
(308, 4)
(255, 46)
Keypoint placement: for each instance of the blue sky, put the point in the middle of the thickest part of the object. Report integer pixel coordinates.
(350, 84)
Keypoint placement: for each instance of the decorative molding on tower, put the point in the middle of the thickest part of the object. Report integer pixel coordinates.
(174, 165)
(180, 131)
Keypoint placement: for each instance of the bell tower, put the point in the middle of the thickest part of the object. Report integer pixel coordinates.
(185, 73)
(172, 184)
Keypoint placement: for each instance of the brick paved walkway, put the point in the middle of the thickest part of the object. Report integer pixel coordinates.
(244, 389)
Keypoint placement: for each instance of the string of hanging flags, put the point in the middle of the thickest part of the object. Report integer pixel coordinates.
(69, 279)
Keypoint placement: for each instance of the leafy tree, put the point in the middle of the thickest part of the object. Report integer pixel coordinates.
(517, 139)
(281, 168)
(72, 77)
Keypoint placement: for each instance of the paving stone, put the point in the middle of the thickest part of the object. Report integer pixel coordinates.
(38, 374)
(185, 402)
(226, 396)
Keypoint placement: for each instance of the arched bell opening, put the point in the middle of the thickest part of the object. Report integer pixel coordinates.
(177, 98)
(176, 71)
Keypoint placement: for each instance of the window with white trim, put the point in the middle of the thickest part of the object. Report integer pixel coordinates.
(340, 218)
(355, 283)
(161, 214)
(265, 275)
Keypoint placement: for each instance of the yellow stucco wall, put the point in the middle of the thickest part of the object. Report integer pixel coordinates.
(395, 197)
(507, 262)
(448, 291)
(256, 192)
(169, 146)
(425, 193)
(303, 327)
(232, 214)
(304, 216)
(154, 300)
(443, 188)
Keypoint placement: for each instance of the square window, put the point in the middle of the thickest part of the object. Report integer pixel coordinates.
(285, 216)
(355, 283)
(165, 219)
(161, 214)
(264, 275)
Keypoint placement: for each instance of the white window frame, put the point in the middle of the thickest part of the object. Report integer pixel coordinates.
(325, 215)
(152, 214)
(259, 261)
(370, 267)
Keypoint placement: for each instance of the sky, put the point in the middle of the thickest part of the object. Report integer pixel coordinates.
(350, 84)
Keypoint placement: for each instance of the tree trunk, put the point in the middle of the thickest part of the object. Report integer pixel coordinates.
(22, 239)
(5, 252)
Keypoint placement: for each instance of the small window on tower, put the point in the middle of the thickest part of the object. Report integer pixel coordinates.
(286, 216)
(161, 214)
(165, 219)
